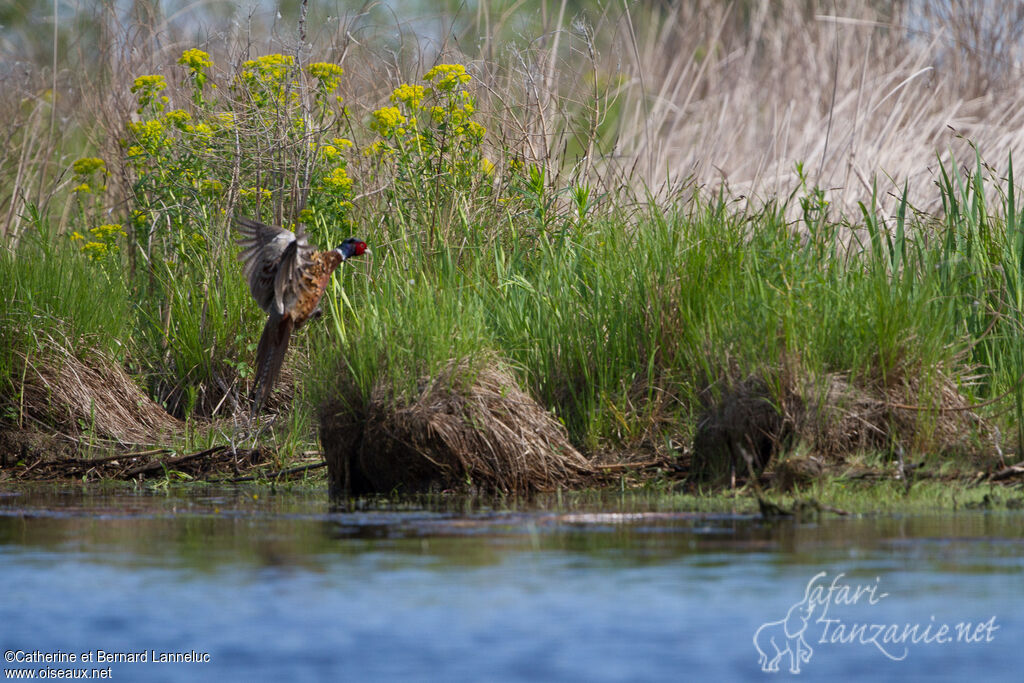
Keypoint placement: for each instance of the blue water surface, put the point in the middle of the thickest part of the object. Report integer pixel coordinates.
(286, 587)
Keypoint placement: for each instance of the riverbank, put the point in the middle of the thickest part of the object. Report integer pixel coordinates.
(533, 307)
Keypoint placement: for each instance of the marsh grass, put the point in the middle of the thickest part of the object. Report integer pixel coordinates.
(599, 238)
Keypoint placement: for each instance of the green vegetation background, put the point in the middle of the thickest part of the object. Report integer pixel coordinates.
(619, 306)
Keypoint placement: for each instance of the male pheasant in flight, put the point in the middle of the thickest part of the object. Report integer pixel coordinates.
(287, 277)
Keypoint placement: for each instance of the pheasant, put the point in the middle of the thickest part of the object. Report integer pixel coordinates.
(287, 277)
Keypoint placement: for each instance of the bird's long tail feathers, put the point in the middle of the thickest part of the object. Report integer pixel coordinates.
(269, 357)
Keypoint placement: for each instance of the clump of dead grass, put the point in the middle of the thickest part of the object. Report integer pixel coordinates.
(62, 391)
(753, 422)
(468, 427)
(904, 416)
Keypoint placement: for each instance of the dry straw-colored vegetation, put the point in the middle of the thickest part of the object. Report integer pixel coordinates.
(470, 425)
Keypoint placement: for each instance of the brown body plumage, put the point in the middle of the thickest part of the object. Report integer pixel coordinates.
(287, 277)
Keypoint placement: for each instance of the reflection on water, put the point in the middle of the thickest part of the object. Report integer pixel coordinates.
(284, 586)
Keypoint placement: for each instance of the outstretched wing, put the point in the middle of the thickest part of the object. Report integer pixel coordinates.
(274, 259)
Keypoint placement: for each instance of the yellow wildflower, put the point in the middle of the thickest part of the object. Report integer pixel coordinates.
(409, 95)
(75, 236)
(387, 121)
(273, 66)
(146, 88)
(328, 74)
(96, 251)
(82, 189)
(473, 131)
(338, 180)
(447, 77)
(154, 83)
(179, 117)
(195, 59)
(201, 130)
(108, 231)
(486, 166)
(342, 143)
(150, 134)
(87, 165)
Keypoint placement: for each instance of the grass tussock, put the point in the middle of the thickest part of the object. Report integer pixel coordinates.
(97, 397)
(752, 425)
(470, 427)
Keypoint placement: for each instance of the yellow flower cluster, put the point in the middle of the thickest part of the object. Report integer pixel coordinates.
(267, 67)
(149, 134)
(195, 59)
(330, 151)
(84, 169)
(448, 134)
(201, 130)
(102, 241)
(108, 232)
(473, 131)
(178, 117)
(338, 181)
(265, 79)
(147, 87)
(409, 95)
(152, 83)
(328, 74)
(388, 121)
(225, 118)
(88, 165)
(447, 76)
(457, 111)
(96, 251)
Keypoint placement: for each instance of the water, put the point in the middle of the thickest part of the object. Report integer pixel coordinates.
(283, 587)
